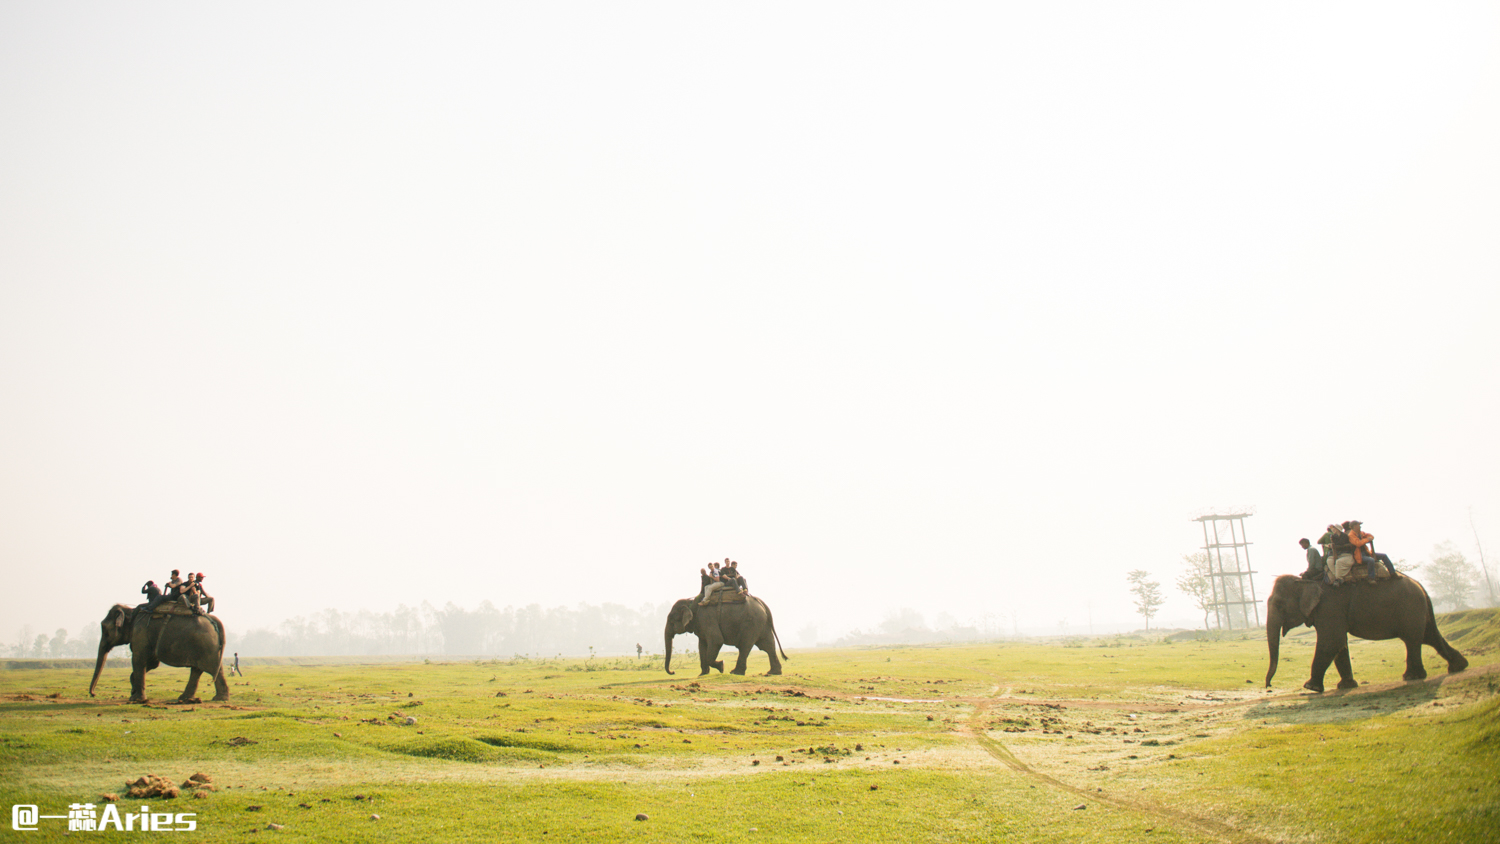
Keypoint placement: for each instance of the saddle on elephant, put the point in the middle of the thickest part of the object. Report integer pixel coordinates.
(166, 608)
(1359, 573)
(724, 596)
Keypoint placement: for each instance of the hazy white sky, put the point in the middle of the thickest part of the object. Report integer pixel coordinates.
(962, 307)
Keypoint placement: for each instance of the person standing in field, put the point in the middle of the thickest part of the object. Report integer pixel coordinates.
(235, 669)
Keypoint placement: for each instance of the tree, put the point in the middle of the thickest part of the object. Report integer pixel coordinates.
(1450, 577)
(1195, 583)
(23, 641)
(59, 643)
(1147, 594)
(808, 636)
(902, 621)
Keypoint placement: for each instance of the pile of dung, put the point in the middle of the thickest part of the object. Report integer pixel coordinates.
(151, 785)
(198, 783)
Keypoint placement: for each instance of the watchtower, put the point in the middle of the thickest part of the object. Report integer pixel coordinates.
(1229, 572)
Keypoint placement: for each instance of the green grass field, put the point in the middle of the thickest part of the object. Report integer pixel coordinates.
(1103, 740)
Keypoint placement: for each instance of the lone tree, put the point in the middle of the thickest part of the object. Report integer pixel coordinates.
(1147, 594)
(1451, 577)
(1195, 584)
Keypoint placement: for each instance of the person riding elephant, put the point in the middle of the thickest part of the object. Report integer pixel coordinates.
(197, 596)
(1340, 556)
(174, 587)
(1364, 552)
(1316, 570)
(195, 642)
(743, 625)
(153, 595)
(1400, 609)
(708, 580)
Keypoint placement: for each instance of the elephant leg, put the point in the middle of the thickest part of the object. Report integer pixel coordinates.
(221, 685)
(191, 690)
(744, 660)
(767, 643)
(1345, 669)
(137, 679)
(1431, 636)
(1328, 648)
(708, 655)
(1415, 670)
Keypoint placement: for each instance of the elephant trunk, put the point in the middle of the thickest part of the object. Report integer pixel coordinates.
(1273, 642)
(668, 651)
(104, 648)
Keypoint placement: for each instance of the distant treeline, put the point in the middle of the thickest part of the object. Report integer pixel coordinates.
(487, 630)
(531, 631)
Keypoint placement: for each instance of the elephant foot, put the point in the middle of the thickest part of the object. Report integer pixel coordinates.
(1412, 677)
(1313, 687)
(137, 700)
(1457, 665)
(774, 672)
(224, 696)
(738, 671)
(719, 665)
(1348, 684)
(187, 700)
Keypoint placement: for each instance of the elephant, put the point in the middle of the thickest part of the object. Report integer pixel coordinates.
(741, 625)
(1394, 609)
(190, 641)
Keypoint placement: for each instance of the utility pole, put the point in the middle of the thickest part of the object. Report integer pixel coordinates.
(1489, 585)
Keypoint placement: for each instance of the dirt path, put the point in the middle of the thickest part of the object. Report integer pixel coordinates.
(1205, 826)
(1208, 711)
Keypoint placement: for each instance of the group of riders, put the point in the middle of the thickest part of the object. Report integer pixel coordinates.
(1345, 545)
(188, 592)
(717, 577)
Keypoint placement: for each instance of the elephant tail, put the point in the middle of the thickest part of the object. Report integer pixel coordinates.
(219, 629)
(774, 634)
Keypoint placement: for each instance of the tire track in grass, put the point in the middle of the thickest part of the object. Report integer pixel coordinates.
(1205, 826)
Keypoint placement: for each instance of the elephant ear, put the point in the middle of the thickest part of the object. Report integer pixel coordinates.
(1311, 594)
(119, 618)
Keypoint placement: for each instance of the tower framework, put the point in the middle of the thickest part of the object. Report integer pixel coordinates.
(1229, 573)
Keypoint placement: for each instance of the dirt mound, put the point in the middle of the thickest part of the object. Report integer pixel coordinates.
(151, 785)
